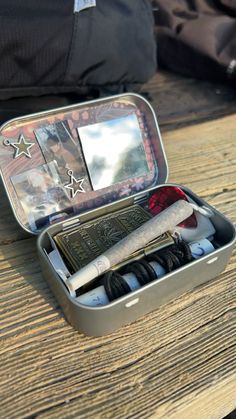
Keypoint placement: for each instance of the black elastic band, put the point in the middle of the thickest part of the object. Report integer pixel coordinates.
(170, 258)
(115, 285)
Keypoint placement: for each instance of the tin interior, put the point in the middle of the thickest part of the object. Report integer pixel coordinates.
(104, 319)
(38, 180)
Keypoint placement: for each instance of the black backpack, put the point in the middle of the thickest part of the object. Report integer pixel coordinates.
(198, 38)
(48, 47)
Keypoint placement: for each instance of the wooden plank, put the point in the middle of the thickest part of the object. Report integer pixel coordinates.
(203, 157)
(180, 101)
(177, 361)
(176, 352)
(10, 230)
(201, 404)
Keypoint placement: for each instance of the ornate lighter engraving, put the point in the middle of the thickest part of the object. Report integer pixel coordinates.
(83, 244)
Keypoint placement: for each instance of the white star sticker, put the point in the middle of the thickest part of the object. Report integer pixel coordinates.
(22, 147)
(75, 185)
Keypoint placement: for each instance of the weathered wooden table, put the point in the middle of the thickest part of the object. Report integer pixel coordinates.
(179, 361)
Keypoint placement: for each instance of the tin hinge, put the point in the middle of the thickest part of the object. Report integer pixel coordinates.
(75, 222)
(141, 199)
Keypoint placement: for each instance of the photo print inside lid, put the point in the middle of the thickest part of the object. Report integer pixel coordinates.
(57, 144)
(41, 195)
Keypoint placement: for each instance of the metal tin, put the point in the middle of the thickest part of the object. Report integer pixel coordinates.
(96, 321)
(102, 320)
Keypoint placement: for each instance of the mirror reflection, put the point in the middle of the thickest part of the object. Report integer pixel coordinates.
(113, 151)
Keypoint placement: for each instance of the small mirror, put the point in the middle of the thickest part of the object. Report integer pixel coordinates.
(113, 151)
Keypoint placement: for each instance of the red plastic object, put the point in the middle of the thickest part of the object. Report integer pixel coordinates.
(166, 196)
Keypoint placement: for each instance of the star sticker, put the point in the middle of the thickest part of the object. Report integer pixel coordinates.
(75, 185)
(22, 147)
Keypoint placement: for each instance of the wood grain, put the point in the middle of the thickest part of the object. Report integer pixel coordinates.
(177, 100)
(179, 361)
(181, 101)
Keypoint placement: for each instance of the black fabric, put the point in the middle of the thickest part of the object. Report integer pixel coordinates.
(46, 48)
(34, 42)
(198, 37)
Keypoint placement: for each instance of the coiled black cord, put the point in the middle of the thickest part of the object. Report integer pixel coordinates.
(115, 285)
(170, 258)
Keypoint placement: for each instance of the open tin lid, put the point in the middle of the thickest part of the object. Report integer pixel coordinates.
(64, 162)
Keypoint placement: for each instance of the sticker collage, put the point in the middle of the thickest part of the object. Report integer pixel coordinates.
(103, 162)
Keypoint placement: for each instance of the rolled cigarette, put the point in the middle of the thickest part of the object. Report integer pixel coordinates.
(138, 239)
